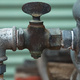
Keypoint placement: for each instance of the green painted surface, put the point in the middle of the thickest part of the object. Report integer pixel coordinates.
(11, 15)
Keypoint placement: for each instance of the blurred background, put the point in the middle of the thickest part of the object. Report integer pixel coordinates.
(11, 14)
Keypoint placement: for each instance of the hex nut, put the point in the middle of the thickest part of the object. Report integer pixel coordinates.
(55, 38)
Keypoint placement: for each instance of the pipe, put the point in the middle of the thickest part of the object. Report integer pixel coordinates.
(74, 60)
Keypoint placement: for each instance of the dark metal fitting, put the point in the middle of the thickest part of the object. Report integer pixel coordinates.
(36, 39)
(55, 38)
(36, 9)
(2, 68)
(67, 36)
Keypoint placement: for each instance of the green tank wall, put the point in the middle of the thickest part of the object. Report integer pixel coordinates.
(11, 15)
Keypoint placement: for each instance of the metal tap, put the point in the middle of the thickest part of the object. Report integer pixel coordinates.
(36, 37)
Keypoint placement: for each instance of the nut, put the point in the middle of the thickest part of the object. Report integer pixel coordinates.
(55, 38)
(66, 38)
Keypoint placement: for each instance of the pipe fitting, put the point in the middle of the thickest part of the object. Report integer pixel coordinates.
(55, 38)
(20, 38)
(67, 38)
(8, 39)
(36, 38)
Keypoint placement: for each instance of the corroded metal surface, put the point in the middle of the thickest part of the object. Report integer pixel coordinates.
(55, 38)
(36, 8)
(20, 38)
(36, 39)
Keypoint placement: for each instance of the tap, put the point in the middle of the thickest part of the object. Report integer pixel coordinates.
(36, 37)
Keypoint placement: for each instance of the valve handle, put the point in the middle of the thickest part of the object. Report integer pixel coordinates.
(36, 9)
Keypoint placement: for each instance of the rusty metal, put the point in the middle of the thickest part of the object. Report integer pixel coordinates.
(20, 38)
(36, 37)
(55, 38)
(36, 9)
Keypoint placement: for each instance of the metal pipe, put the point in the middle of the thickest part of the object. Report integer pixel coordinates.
(36, 37)
(74, 60)
(42, 67)
(8, 40)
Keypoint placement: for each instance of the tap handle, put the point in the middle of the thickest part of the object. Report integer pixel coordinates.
(36, 9)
